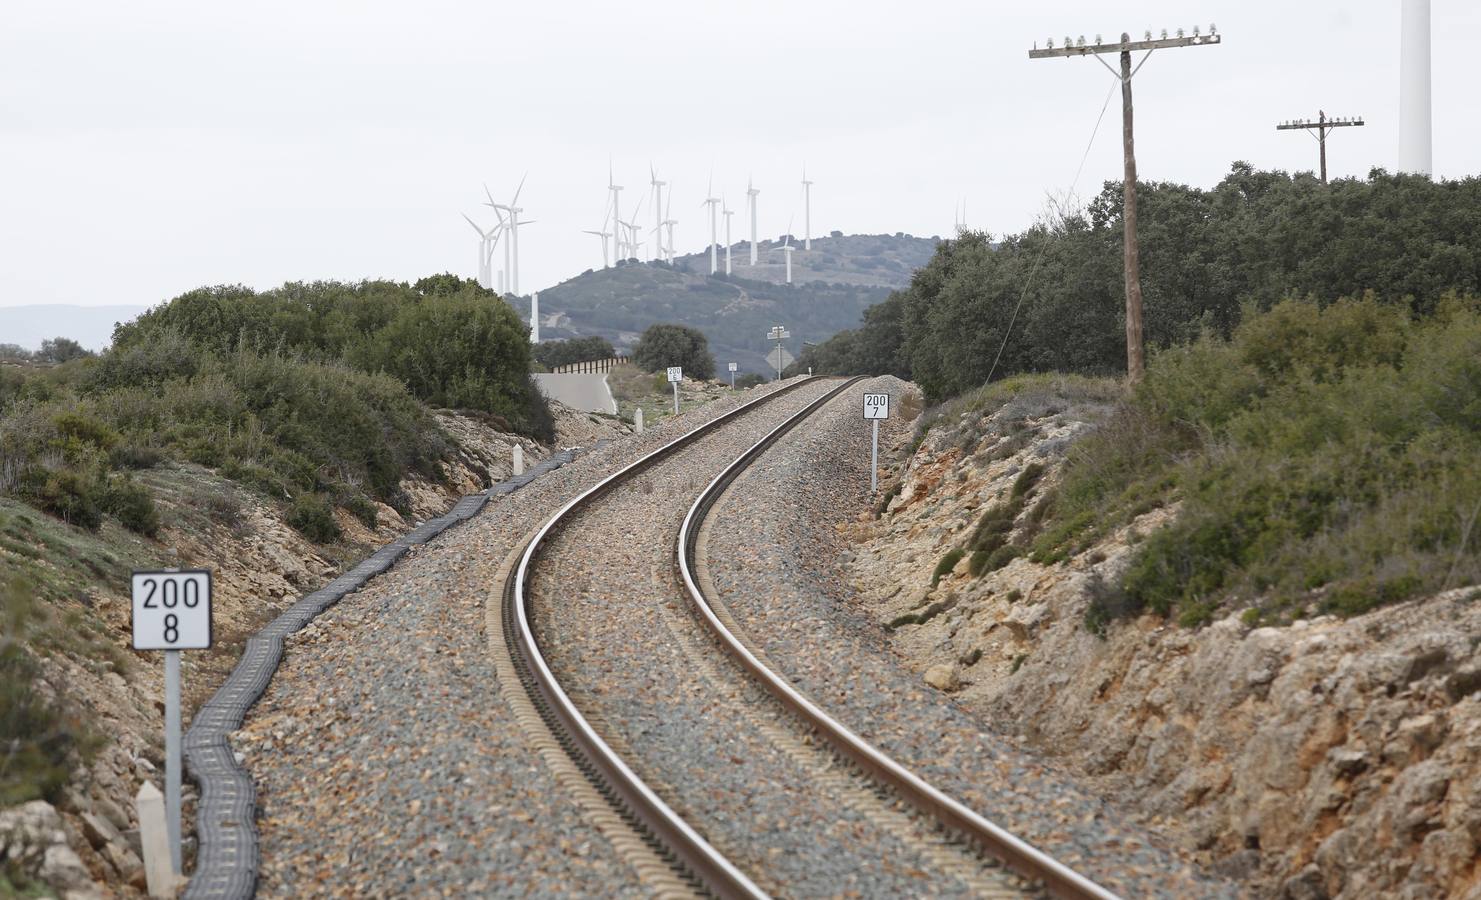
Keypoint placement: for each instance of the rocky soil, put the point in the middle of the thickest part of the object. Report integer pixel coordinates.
(1331, 758)
(261, 566)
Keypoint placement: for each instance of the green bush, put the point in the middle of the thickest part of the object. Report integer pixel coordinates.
(41, 740)
(551, 354)
(664, 344)
(133, 506)
(364, 510)
(313, 517)
(749, 380)
(69, 495)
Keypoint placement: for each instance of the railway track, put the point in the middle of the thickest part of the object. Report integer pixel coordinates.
(604, 759)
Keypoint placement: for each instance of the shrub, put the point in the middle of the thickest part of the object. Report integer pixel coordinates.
(748, 381)
(42, 740)
(364, 510)
(133, 506)
(664, 344)
(313, 517)
(69, 495)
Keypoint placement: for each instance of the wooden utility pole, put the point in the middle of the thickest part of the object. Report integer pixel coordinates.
(1135, 354)
(1318, 130)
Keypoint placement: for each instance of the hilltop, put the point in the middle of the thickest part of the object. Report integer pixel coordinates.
(832, 285)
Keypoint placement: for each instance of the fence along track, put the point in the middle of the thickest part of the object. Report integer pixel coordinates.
(952, 815)
(634, 800)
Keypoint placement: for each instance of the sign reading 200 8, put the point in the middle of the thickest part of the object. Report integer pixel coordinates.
(172, 610)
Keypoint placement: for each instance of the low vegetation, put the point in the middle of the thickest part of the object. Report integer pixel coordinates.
(552, 354)
(1320, 460)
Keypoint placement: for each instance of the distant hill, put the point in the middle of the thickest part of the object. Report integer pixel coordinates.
(832, 285)
(90, 326)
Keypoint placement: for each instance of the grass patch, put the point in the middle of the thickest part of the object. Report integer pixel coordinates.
(947, 563)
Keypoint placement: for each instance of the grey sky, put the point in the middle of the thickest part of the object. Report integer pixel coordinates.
(147, 148)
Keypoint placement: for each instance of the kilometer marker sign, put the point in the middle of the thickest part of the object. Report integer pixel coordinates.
(876, 407)
(172, 612)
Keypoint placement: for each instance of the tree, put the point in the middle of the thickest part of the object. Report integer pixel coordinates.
(665, 344)
(60, 350)
(583, 349)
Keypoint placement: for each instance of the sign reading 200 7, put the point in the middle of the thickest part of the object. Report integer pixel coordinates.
(172, 610)
(876, 406)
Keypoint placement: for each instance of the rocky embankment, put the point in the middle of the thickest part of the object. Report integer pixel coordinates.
(87, 845)
(1331, 758)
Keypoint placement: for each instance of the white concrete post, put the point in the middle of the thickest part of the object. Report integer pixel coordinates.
(519, 460)
(638, 420)
(155, 840)
(676, 398)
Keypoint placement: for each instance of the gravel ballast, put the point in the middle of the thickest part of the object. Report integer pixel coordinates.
(385, 760)
(610, 615)
(777, 566)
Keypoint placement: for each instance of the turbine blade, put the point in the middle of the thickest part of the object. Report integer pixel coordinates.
(520, 188)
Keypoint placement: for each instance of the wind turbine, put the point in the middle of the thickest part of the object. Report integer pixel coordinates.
(486, 240)
(712, 201)
(787, 251)
(669, 222)
(616, 190)
(511, 249)
(727, 212)
(657, 211)
(603, 234)
(806, 212)
(751, 192)
(633, 230)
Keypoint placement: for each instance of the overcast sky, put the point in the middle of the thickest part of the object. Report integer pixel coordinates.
(147, 148)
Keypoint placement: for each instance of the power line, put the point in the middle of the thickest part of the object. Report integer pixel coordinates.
(1318, 130)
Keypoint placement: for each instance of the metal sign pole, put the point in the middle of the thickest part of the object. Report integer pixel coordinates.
(172, 756)
(874, 459)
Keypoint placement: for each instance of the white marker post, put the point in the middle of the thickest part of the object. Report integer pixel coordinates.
(732, 376)
(676, 375)
(172, 612)
(876, 407)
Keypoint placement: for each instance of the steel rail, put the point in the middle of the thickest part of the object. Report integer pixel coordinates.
(1016, 853)
(639, 804)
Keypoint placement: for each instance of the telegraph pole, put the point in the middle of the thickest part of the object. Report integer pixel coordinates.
(1318, 130)
(1135, 357)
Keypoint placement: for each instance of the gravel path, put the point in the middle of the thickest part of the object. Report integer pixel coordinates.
(386, 760)
(777, 565)
(611, 619)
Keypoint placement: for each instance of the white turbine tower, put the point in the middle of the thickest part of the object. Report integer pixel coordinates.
(751, 193)
(535, 317)
(712, 202)
(616, 190)
(787, 251)
(1415, 149)
(727, 212)
(657, 212)
(669, 222)
(806, 212)
(511, 247)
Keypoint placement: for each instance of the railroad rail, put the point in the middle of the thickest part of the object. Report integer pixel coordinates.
(670, 835)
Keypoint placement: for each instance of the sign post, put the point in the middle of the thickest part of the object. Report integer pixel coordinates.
(778, 334)
(676, 375)
(732, 376)
(172, 612)
(876, 407)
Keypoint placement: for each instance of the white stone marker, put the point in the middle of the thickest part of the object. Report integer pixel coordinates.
(638, 420)
(154, 836)
(876, 407)
(519, 460)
